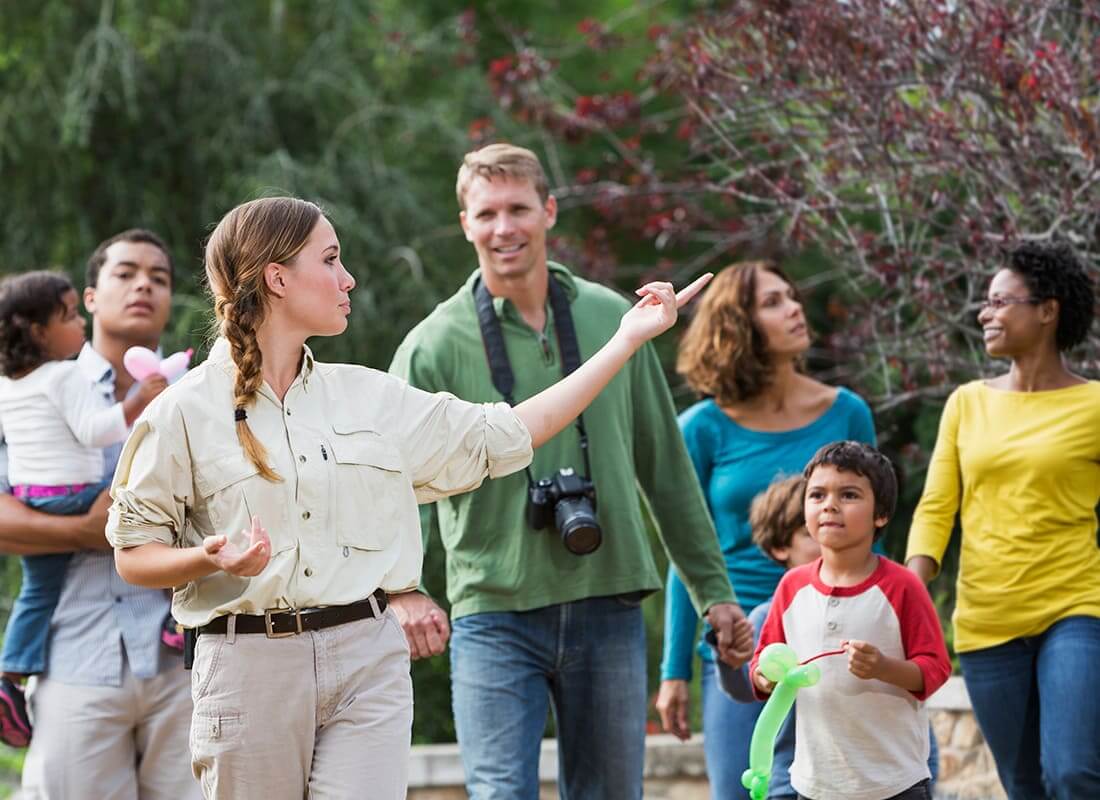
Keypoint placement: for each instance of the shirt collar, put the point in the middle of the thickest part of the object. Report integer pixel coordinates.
(564, 276)
(95, 367)
(221, 356)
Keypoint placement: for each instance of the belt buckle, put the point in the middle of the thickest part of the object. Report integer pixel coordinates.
(271, 634)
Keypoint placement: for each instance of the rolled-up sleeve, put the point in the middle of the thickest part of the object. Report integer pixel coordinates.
(451, 445)
(152, 486)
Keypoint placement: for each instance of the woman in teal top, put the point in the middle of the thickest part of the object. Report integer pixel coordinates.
(762, 419)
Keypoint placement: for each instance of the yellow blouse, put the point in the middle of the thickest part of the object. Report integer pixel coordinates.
(1024, 468)
(356, 450)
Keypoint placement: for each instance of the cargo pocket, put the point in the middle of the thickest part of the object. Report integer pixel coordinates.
(231, 491)
(370, 487)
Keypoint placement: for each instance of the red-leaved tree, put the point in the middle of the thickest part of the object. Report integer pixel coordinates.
(902, 144)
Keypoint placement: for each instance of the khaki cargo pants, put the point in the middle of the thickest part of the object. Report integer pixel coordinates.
(324, 714)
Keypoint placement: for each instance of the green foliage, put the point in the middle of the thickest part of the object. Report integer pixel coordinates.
(116, 113)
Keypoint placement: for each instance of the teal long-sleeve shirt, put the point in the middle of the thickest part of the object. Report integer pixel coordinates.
(495, 561)
(734, 464)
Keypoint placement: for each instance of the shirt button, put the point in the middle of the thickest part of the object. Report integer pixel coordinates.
(288, 412)
(831, 626)
(309, 572)
(302, 459)
(834, 602)
(118, 599)
(305, 515)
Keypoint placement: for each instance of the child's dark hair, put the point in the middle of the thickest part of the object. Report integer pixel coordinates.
(776, 513)
(26, 299)
(862, 459)
(1053, 272)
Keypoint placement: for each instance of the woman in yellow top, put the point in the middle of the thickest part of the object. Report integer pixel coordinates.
(1019, 456)
(301, 677)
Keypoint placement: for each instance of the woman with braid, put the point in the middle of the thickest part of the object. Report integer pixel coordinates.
(278, 495)
(1018, 459)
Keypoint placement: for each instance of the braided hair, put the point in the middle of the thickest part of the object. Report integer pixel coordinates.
(248, 238)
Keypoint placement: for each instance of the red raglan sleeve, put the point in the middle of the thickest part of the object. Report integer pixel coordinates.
(772, 631)
(921, 632)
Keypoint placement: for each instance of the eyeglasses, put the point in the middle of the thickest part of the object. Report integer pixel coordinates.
(997, 303)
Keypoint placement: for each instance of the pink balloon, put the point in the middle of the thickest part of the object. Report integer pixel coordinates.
(141, 362)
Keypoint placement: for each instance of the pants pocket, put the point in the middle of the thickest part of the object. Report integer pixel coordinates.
(208, 653)
(215, 740)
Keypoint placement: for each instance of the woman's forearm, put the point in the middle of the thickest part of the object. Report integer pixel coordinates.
(552, 409)
(160, 566)
(925, 567)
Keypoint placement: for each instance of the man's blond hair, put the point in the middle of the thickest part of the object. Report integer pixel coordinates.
(501, 161)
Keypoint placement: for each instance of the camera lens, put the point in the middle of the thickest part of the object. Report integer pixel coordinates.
(576, 520)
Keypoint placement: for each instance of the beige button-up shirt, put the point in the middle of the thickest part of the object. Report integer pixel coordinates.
(356, 449)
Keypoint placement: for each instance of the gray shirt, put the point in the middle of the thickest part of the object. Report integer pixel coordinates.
(101, 621)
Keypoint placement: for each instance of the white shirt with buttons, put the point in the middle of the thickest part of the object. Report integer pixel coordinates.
(356, 450)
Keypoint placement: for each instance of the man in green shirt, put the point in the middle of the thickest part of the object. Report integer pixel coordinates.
(536, 624)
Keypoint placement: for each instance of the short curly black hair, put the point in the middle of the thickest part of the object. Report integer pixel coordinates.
(1054, 272)
(25, 300)
(865, 460)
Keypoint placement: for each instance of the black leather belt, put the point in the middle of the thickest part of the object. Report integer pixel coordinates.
(291, 622)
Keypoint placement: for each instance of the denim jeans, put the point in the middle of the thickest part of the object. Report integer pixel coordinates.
(727, 732)
(585, 660)
(1037, 705)
(43, 576)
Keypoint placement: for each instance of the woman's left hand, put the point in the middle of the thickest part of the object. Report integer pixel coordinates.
(656, 312)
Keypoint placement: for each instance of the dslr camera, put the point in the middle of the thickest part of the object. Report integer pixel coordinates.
(569, 500)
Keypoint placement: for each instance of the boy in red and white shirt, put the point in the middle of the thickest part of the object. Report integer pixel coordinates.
(862, 732)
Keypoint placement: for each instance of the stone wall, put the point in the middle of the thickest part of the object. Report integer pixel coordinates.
(676, 770)
(967, 771)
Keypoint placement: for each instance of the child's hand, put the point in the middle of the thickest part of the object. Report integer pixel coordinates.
(146, 390)
(763, 685)
(151, 387)
(864, 660)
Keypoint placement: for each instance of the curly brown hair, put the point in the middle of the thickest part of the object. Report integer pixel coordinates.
(776, 513)
(723, 354)
(27, 300)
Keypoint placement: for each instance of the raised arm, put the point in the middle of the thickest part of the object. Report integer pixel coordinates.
(548, 412)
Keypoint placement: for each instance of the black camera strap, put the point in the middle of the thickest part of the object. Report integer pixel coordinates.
(504, 380)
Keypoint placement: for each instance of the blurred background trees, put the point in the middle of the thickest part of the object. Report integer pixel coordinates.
(884, 151)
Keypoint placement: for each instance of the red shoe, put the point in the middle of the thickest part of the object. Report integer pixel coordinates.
(15, 725)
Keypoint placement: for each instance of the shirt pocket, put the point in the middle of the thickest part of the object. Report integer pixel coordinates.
(370, 488)
(231, 491)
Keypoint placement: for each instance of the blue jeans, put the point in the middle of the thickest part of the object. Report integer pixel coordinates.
(587, 661)
(727, 733)
(43, 576)
(1037, 705)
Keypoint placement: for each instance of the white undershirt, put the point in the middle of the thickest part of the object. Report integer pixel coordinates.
(55, 426)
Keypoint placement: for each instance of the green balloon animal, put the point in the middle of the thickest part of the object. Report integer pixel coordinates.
(778, 663)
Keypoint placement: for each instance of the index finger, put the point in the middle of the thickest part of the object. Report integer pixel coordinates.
(257, 533)
(688, 292)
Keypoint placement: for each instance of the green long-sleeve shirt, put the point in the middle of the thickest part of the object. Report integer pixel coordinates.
(495, 562)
